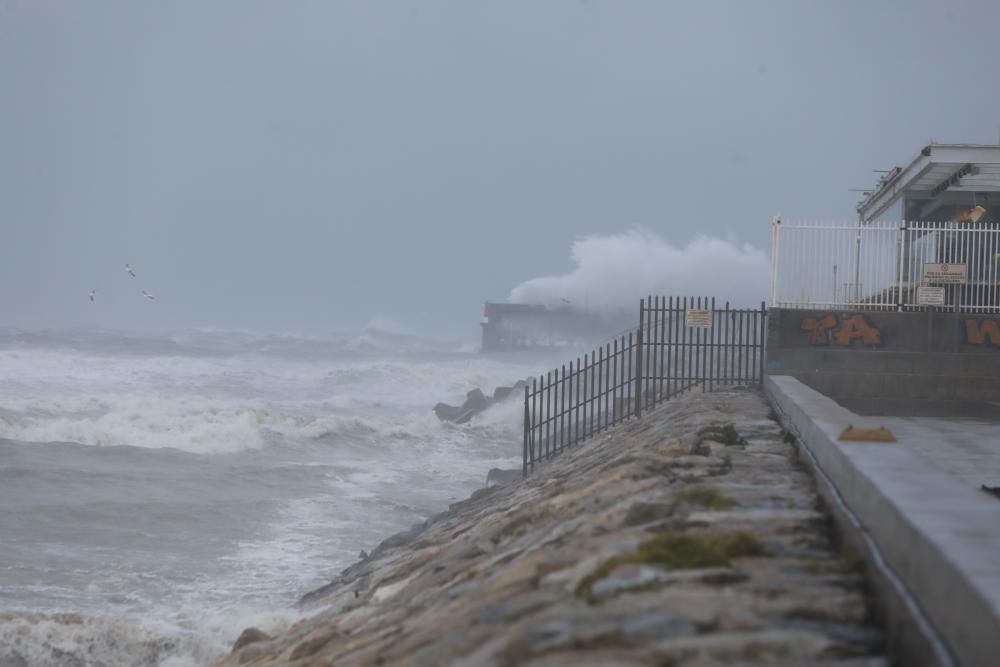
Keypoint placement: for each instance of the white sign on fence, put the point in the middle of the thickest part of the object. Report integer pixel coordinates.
(698, 319)
(930, 296)
(945, 274)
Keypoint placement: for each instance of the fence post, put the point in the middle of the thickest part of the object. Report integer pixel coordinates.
(637, 369)
(899, 271)
(763, 337)
(527, 426)
(775, 238)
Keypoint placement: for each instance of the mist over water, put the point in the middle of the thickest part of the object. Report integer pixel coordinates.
(612, 272)
(160, 492)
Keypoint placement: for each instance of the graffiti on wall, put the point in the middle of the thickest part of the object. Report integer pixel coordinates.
(982, 332)
(833, 330)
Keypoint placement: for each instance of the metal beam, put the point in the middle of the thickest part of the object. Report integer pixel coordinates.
(956, 176)
(995, 187)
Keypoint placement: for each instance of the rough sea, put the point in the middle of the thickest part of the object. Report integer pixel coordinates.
(159, 493)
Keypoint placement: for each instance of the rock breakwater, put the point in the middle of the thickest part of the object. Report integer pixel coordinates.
(690, 537)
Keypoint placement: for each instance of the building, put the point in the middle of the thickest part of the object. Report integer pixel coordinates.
(901, 305)
(944, 182)
(927, 235)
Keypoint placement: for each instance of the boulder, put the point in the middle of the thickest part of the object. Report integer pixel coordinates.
(501, 477)
(250, 636)
(475, 402)
(447, 413)
(501, 393)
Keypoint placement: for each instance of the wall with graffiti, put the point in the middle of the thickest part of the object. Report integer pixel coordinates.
(981, 332)
(888, 331)
(833, 329)
(888, 354)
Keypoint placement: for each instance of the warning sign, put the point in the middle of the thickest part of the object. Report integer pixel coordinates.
(930, 296)
(945, 274)
(698, 319)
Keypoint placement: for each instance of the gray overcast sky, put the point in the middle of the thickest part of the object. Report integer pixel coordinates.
(308, 166)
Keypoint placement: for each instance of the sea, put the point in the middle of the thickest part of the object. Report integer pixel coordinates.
(160, 492)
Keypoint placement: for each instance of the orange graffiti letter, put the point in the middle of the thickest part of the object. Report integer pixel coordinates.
(856, 327)
(818, 328)
(982, 332)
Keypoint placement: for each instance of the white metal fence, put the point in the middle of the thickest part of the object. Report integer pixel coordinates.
(886, 266)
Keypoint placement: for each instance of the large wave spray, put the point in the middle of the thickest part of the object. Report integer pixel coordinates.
(613, 272)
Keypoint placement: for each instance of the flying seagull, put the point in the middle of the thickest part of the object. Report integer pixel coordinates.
(92, 293)
(131, 272)
(148, 295)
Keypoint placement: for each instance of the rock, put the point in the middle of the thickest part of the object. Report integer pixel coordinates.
(564, 568)
(447, 413)
(642, 513)
(250, 636)
(654, 624)
(500, 477)
(312, 644)
(502, 393)
(570, 631)
(475, 402)
(630, 577)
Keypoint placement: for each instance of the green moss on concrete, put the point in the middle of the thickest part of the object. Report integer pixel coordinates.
(707, 497)
(723, 468)
(679, 551)
(725, 435)
(700, 449)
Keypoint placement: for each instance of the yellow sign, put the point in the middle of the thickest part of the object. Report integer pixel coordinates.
(698, 319)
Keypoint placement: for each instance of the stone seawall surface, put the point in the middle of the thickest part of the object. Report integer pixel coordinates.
(689, 537)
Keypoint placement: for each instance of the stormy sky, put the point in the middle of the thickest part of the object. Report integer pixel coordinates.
(312, 165)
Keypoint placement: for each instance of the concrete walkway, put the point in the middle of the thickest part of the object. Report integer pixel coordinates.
(921, 502)
(967, 450)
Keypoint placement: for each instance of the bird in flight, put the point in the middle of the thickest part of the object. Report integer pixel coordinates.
(92, 293)
(148, 295)
(131, 272)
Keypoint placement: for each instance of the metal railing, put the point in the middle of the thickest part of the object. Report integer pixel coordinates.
(681, 344)
(886, 266)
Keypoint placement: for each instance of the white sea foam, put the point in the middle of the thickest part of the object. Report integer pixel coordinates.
(613, 272)
(299, 453)
(43, 640)
(226, 404)
(192, 639)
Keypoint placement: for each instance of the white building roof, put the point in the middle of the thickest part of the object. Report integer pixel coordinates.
(937, 169)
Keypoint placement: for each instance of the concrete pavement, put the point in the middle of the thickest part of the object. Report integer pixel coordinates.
(919, 500)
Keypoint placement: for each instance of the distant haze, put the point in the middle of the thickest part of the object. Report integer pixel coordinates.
(311, 166)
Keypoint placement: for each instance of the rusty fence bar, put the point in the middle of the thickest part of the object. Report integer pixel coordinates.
(681, 344)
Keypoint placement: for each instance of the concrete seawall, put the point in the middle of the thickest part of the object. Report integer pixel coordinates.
(932, 536)
(690, 537)
(932, 357)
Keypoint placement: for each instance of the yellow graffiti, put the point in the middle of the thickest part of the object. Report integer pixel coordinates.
(855, 327)
(819, 328)
(830, 329)
(982, 332)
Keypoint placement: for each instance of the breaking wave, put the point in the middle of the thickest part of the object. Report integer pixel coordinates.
(229, 402)
(36, 639)
(614, 272)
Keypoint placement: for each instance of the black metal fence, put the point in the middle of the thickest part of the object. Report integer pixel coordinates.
(681, 344)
